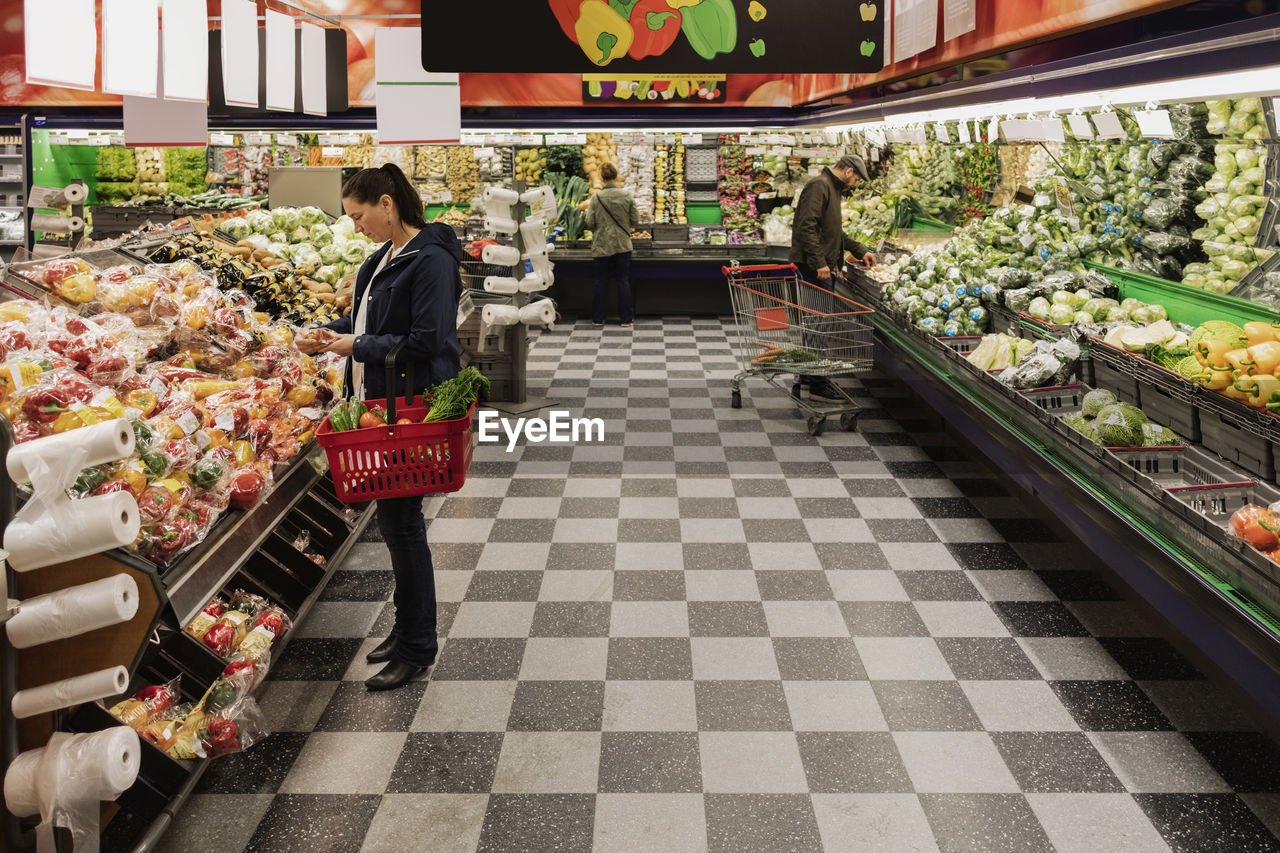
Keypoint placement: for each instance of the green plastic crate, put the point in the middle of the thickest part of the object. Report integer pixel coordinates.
(703, 213)
(1185, 304)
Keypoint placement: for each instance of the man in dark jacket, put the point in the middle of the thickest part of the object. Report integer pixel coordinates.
(818, 242)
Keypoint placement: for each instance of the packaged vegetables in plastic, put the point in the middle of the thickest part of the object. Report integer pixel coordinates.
(1048, 364)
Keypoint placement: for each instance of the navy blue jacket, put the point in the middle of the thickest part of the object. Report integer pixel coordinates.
(415, 296)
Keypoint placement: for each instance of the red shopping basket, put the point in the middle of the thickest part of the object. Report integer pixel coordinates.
(399, 460)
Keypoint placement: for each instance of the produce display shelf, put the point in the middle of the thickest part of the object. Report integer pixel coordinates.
(1185, 304)
(1194, 574)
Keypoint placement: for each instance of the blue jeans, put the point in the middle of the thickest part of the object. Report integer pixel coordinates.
(618, 265)
(405, 531)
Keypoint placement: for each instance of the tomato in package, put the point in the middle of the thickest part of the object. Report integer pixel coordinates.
(220, 639)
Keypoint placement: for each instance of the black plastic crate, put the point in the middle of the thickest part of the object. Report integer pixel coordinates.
(1235, 440)
(1124, 386)
(670, 233)
(1176, 411)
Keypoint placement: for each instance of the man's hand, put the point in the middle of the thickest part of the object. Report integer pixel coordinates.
(869, 259)
(824, 273)
(340, 344)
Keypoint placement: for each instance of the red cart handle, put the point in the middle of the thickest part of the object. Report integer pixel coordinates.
(761, 268)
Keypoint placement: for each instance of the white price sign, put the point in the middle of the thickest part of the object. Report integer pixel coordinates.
(331, 151)
(1080, 127)
(530, 139)
(290, 139)
(1155, 124)
(940, 131)
(756, 151)
(223, 139)
(482, 153)
(691, 139)
(1108, 125)
(575, 139)
(962, 132)
(257, 139)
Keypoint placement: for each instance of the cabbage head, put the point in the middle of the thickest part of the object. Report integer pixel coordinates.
(285, 218)
(260, 221)
(309, 216)
(320, 235)
(1240, 122)
(330, 254)
(1225, 165)
(354, 251)
(306, 254)
(237, 227)
(1247, 158)
(259, 241)
(328, 274)
(280, 250)
(344, 226)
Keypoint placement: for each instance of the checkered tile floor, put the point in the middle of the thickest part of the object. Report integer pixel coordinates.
(726, 635)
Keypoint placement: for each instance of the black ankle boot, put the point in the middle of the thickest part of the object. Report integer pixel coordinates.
(382, 653)
(395, 674)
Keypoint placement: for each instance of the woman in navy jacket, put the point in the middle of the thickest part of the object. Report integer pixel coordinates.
(408, 289)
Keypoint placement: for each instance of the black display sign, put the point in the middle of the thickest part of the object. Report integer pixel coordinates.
(629, 37)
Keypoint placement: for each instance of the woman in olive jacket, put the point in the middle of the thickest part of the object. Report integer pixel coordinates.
(611, 216)
(408, 289)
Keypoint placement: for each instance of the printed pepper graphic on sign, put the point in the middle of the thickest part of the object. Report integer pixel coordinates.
(606, 31)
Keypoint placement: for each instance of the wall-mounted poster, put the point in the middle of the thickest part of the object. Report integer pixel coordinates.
(665, 89)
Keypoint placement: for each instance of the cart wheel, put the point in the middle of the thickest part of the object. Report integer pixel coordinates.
(815, 424)
(848, 422)
(795, 390)
(737, 400)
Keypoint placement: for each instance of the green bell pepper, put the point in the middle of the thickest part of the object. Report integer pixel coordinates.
(89, 480)
(711, 27)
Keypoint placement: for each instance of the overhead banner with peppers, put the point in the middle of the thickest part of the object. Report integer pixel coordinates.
(662, 36)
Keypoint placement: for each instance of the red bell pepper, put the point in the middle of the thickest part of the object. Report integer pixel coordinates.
(567, 12)
(155, 503)
(246, 487)
(223, 736)
(219, 639)
(656, 26)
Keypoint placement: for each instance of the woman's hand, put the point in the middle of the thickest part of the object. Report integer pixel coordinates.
(314, 340)
(340, 344)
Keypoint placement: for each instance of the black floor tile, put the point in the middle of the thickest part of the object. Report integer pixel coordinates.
(648, 487)
(588, 508)
(650, 763)
(1078, 585)
(522, 530)
(650, 659)
(984, 823)
(708, 555)
(818, 659)
(536, 822)
(883, 619)
(827, 508)
(775, 530)
(317, 823)
(660, 585)
(980, 556)
(470, 507)
(581, 555)
(889, 439)
(1248, 761)
(742, 706)
(260, 769)
(759, 487)
(315, 659)
(504, 586)
(1038, 619)
(1056, 762)
(535, 487)
(446, 763)
(354, 708)
(1149, 658)
(915, 470)
(901, 530)
(479, 659)
(793, 585)
(761, 823)
(851, 556)
(1110, 706)
(946, 508)
(571, 619)
(1024, 530)
(925, 706)
(727, 619)
(455, 556)
(1207, 823)
(938, 586)
(852, 763)
(557, 706)
(980, 487)
(649, 530)
(987, 659)
(874, 487)
(708, 508)
(376, 585)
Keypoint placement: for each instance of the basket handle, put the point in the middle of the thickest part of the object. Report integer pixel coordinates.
(392, 358)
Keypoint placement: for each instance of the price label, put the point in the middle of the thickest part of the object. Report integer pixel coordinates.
(756, 151)
(131, 413)
(202, 439)
(875, 155)
(159, 388)
(1080, 127)
(530, 139)
(115, 139)
(223, 139)
(786, 139)
(1027, 239)
(78, 139)
(1155, 124)
(482, 153)
(940, 131)
(312, 413)
(188, 423)
(257, 139)
(691, 139)
(331, 151)
(576, 139)
(962, 132)
(103, 395)
(1053, 131)
(1108, 125)
(993, 131)
(290, 139)
(225, 422)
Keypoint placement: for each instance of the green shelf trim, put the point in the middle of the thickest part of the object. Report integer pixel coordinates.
(1082, 478)
(1188, 305)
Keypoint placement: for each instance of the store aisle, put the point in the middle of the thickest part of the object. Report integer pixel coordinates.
(730, 636)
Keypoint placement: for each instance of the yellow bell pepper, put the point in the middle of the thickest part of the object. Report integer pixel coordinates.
(1258, 332)
(168, 428)
(82, 416)
(217, 438)
(301, 395)
(17, 375)
(80, 287)
(113, 405)
(1242, 362)
(1266, 356)
(602, 33)
(1212, 352)
(242, 369)
(244, 452)
(133, 476)
(1217, 377)
(1257, 390)
(14, 310)
(201, 388)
